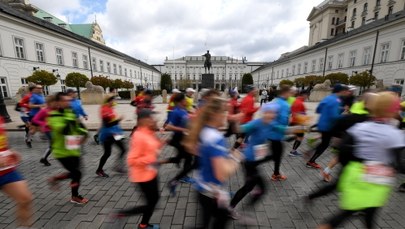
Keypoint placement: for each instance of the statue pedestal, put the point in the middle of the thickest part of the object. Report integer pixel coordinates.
(207, 81)
(318, 95)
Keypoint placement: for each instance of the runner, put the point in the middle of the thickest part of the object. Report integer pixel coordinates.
(40, 119)
(76, 104)
(275, 136)
(142, 164)
(330, 110)
(216, 164)
(23, 108)
(256, 152)
(263, 97)
(233, 108)
(190, 100)
(369, 148)
(37, 101)
(291, 99)
(112, 92)
(247, 107)
(67, 136)
(12, 183)
(297, 110)
(171, 105)
(110, 134)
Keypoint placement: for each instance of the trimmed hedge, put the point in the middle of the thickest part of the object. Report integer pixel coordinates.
(124, 94)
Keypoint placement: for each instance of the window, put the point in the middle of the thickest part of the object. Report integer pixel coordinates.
(340, 60)
(115, 69)
(39, 49)
(363, 20)
(125, 72)
(365, 7)
(353, 23)
(367, 55)
(108, 67)
(402, 57)
(305, 67)
(74, 60)
(354, 12)
(62, 85)
(352, 61)
(376, 15)
(355, 1)
(19, 48)
(130, 73)
(299, 69)
(24, 81)
(337, 21)
(278, 74)
(59, 56)
(330, 62)
(101, 66)
(384, 52)
(313, 65)
(85, 62)
(94, 64)
(3, 87)
(293, 70)
(378, 3)
(120, 69)
(282, 73)
(333, 21)
(390, 10)
(332, 31)
(321, 64)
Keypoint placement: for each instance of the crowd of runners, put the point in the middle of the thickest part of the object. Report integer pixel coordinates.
(213, 138)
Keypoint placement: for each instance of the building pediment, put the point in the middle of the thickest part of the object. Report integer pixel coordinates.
(314, 12)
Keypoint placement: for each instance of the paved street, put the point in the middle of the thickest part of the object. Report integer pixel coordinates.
(280, 208)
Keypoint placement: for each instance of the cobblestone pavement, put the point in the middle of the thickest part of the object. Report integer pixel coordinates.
(282, 207)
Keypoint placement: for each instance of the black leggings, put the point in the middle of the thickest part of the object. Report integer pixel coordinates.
(108, 143)
(326, 137)
(336, 220)
(231, 129)
(71, 164)
(252, 179)
(185, 171)
(210, 210)
(181, 154)
(150, 190)
(277, 150)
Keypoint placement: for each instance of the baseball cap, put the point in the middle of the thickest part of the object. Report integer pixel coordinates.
(272, 106)
(70, 90)
(176, 91)
(145, 113)
(249, 88)
(339, 87)
(190, 90)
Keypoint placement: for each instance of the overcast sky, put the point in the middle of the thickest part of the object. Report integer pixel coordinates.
(152, 30)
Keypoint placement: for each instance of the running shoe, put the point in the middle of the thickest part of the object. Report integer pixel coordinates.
(313, 165)
(28, 143)
(187, 179)
(401, 188)
(101, 173)
(149, 226)
(233, 214)
(172, 188)
(279, 177)
(95, 137)
(79, 200)
(326, 176)
(295, 153)
(45, 162)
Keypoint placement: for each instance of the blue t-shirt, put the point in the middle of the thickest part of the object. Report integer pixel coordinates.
(330, 110)
(212, 144)
(77, 108)
(258, 133)
(178, 118)
(36, 99)
(281, 120)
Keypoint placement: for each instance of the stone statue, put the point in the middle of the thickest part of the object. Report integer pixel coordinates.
(320, 91)
(207, 63)
(93, 94)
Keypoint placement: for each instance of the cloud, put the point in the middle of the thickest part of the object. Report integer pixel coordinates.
(261, 30)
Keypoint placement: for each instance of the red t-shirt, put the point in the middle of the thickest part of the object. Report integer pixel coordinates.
(108, 114)
(297, 107)
(247, 107)
(24, 102)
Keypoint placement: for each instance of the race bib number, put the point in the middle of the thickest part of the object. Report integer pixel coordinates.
(379, 174)
(73, 142)
(118, 137)
(261, 151)
(8, 160)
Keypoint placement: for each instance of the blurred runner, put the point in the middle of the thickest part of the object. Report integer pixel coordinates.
(12, 183)
(112, 92)
(76, 104)
(233, 109)
(298, 110)
(36, 102)
(110, 134)
(171, 105)
(190, 100)
(67, 135)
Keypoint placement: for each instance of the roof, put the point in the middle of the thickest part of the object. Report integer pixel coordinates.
(325, 5)
(85, 30)
(363, 29)
(5, 9)
(43, 15)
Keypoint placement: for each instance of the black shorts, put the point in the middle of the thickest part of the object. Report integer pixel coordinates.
(300, 135)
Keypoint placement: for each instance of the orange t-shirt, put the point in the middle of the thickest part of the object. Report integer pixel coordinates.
(144, 150)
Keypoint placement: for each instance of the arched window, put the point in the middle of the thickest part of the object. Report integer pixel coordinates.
(333, 21)
(354, 12)
(365, 7)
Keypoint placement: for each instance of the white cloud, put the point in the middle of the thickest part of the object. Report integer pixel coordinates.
(150, 30)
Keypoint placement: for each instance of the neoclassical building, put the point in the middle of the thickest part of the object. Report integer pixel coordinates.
(32, 40)
(187, 71)
(347, 36)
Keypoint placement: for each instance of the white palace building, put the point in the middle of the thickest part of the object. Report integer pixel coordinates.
(32, 39)
(346, 36)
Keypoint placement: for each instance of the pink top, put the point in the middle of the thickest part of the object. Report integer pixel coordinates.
(40, 119)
